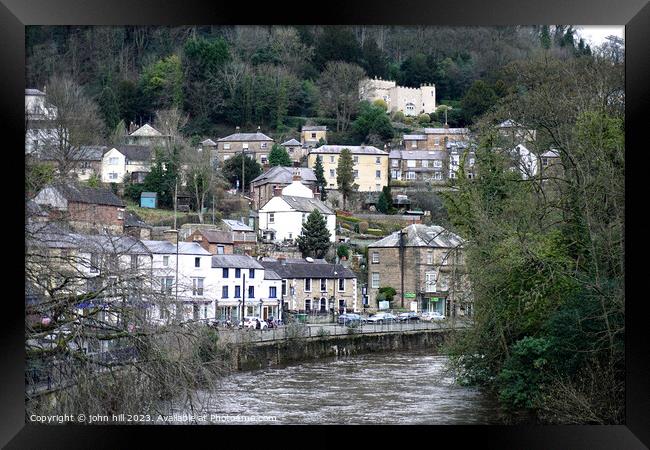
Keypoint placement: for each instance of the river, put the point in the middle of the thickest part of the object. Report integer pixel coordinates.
(378, 388)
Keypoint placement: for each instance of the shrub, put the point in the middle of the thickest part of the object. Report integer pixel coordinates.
(363, 227)
(424, 118)
(375, 232)
(322, 332)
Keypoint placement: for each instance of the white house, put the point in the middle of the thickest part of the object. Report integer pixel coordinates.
(525, 161)
(410, 101)
(241, 278)
(281, 218)
(196, 286)
(134, 160)
(40, 115)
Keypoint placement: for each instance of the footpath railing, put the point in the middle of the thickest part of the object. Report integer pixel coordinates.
(317, 331)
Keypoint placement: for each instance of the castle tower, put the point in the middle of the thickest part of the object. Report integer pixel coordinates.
(428, 97)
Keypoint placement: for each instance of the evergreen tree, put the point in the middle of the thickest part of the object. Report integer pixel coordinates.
(279, 157)
(232, 170)
(314, 240)
(345, 175)
(320, 178)
(385, 202)
(545, 37)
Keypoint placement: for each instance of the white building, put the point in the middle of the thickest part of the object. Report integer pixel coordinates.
(281, 218)
(410, 101)
(196, 287)
(39, 115)
(525, 161)
(238, 278)
(132, 160)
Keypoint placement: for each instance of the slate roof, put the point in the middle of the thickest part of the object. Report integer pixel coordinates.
(184, 248)
(422, 154)
(55, 237)
(135, 152)
(304, 269)
(354, 149)
(236, 225)
(284, 175)
(271, 275)
(415, 137)
(85, 153)
(235, 261)
(33, 92)
(446, 130)
(552, 153)
(132, 220)
(422, 236)
(217, 237)
(208, 142)
(86, 194)
(290, 143)
(245, 137)
(305, 204)
(314, 128)
(146, 130)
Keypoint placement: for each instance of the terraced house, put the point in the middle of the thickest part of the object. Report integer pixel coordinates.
(256, 145)
(425, 265)
(370, 165)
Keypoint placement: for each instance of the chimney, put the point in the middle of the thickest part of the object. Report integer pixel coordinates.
(277, 191)
(237, 129)
(282, 260)
(259, 129)
(296, 175)
(170, 236)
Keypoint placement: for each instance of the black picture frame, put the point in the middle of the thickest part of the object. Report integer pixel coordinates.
(15, 14)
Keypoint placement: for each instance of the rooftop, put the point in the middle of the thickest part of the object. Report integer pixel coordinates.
(284, 175)
(78, 193)
(245, 137)
(314, 128)
(417, 235)
(146, 130)
(290, 143)
(354, 149)
(235, 261)
(184, 248)
(237, 225)
(446, 130)
(303, 269)
(305, 204)
(49, 235)
(217, 237)
(33, 92)
(135, 152)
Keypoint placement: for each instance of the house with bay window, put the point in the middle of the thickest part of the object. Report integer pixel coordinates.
(428, 262)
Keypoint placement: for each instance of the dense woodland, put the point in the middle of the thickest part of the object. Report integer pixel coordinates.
(276, 77)
(545, 257)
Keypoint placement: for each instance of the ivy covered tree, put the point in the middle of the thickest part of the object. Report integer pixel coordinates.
(279, 156)
(320, 177)
(345, 175)
(314, 240)
(232, 170)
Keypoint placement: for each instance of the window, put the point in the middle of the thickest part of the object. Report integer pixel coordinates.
(251, 273)
(436, 141)
(112, 161)
(224, 292)
(284, 287)
(197, 262)
(263, 145)
(304, 217)
(355, 173)
(251, 291)
(273, 292)
(378, 160)
(375, 257)
(437, 163)
(245, 146)
(332, 158)
(220, 249)
(356, 159)
(197, 286)
(226, 146)
(307, 304)
(544, 162)
(375, 280)
(134, 261)
(410, 163)
(323, 285)
(429, 257)
(414, 144)
(307, 284)
(237, 273)
(341, 284)
(377, 173)
(472, 161)
(452, 175)
(332, 173)
(425, 163)
(410, 176)
(313, 135)
(271, 217)
(430, 282)
(166, 285)
(394, 163)
(165, 261)
(224, 273)
(396, 175)
(237, 291)
(438, 175)
(112, 176)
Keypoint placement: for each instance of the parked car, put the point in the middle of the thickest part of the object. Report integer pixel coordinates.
(250, 322)
(349, 318)
(433, 316)
(382, 317)
(408, 317)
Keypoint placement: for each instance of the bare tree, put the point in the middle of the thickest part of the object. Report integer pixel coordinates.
(199, 176)
(71, 123)
(339, 87)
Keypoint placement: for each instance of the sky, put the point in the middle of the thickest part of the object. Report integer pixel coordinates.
(596, 34)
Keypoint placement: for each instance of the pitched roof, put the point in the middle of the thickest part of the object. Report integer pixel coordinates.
(135, 152)
(284, 175)
(551, 153)
(271, 275)
(245, 137)
(237, 225)
(85, 153)
(290, 143)
(421, 236)
(184, 248)
(354, 149)
(509, 124)
(217, 237)
(208, 142)
(304, 269)
(33, 92)
(422, 154)
(306, 204)
(146, 130)
(415, 137)
(56, 237)
(236, 261)
(132, 220)
(446, 130)
(74, 192)
(314, 128)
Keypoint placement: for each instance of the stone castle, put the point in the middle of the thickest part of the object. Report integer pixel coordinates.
(410, 101)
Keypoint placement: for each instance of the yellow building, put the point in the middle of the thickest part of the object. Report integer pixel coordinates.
(370, 165)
